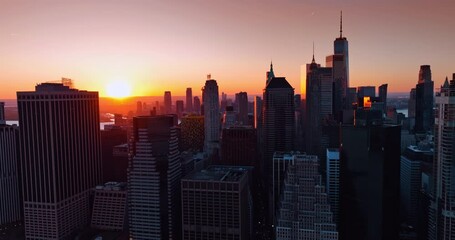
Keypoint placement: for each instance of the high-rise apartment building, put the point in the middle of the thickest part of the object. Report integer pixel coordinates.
(60, 158)
(303, 210)
(212, 120)
(10, 202)
(189, 100)
(333, 180)
(217, 204)
(443, 205)
(154, 174)
(167, 102)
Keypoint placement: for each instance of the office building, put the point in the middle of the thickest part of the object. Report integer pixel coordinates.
(154, 179)
(229, 117)
(369, 178)
(443, 204)
(212, 115)
(303, 210)
(10, 201)
(383, 96)
(189, 100)
(257, 112)
(167, 102)
(238, 146)
(60, 156)
(242, 110)
(110, 207)
(192, 132)
(333, 180)
(424, 113)
(217, 204)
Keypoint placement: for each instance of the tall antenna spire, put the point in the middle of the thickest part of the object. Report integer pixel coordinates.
(313, 61)
(341, 24)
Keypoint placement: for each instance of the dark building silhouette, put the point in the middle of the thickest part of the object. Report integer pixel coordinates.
(167, 102)
(114, 168)
(154, 174)
(60, 158)
(212, 117)
(424, 114)
(369, 178)
(278, 127)
(242, 110)
(383, 96)
(10, 192)
(217, 204)
(197, 105)
(2, 113)
(239, 146)
(189, 100)
(179, 108)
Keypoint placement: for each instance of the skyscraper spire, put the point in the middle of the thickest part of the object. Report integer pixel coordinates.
(313, 61)
(341, 24)
(272, 74)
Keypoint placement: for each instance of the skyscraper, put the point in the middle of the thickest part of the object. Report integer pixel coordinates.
(10, 202)
(167, 102)
(333, 180)
(60, 158)
(189, 100)
(257, 112)
(303, 210)
(369, 178)
(212, 118)
(2, 113)
(217, 204)
(179, 108)
(110, 207)
(154, 179)
(444, 164)
(239, 146)
(242, 110)
(278, 123)
(383, 96)
(341, 47)
(424, 117)
(197, 105)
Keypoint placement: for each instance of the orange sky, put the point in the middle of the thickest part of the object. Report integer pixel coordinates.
(171, 45)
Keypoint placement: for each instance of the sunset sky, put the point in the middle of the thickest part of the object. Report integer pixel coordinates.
(171, 45)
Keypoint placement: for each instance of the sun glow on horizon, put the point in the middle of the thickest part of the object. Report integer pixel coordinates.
(118, 89)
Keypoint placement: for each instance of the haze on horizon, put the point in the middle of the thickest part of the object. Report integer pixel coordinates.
(171, 45)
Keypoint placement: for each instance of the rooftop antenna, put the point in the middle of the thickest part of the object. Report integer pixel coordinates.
(341, 24)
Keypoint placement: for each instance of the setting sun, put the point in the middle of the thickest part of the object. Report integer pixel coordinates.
(118, 89)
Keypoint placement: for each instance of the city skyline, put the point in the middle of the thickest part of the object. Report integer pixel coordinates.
(154, 46)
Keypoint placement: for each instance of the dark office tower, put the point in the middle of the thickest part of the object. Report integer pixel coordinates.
(60, 158)
(257, 112)
(212, 118)
(242, 108)
(318, 107)
(217, 204)
(424, 119)
(10, 202)
(383, 96)
(139, 109)
(110, 207)
(192, 130)
(113, 171)
(444, 163)
(229, 117)
(366, 91)
(340, 46)
(369, 179)
(154, 179)
(303, 208)
(412, 108)
(179, 108)
(167, 102)
(278, 128)
(238, 146)
(2, 113)
(223, 103)
(189, 100)
(197, 105)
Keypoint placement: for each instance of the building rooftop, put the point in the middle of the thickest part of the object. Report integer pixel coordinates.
(219, 174)
(112, 186)
(278, 82)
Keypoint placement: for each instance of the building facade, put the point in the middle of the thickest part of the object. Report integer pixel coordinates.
(60, 158)
(110, 207)
(189, 100)
(212, 120)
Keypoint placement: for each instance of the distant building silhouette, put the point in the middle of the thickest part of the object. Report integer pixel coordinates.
(424, 113)
(10, 200)
(217, 204)
(114, 168)
(383, 96)
(197, 105)
(60, 158)
(179, 108)
(167, 102)
(154, 179)
(189, 100)
(212, 117)
(229, 117)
